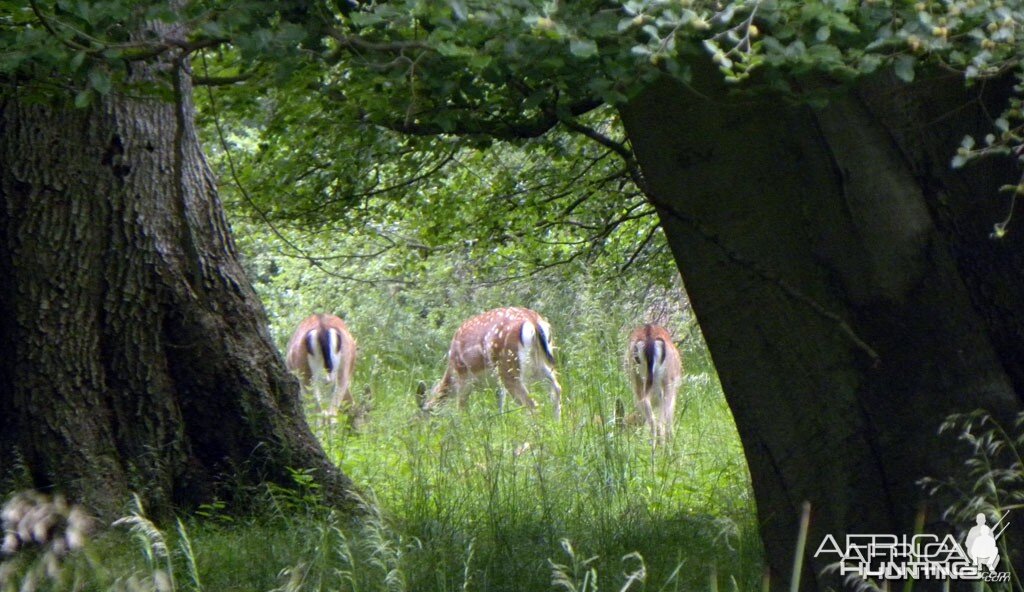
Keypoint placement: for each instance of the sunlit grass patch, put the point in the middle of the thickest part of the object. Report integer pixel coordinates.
(488, 497)
(492, 495)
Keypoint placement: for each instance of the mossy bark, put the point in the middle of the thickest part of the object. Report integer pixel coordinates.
(846, 286)
(134, 354)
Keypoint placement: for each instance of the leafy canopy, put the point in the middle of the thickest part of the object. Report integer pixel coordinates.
(507, 68)
(466, 73)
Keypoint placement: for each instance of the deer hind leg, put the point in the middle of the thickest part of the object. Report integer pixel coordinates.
(642, 397)
(643, 402)
(311, 374)
(667, 413)
(554, 390)
(511, 378)
(462, 391)
(342, 395)
(350, 367)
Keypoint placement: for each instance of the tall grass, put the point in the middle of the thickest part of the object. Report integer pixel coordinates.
(513, 488)
(491, 496)
(480, 500)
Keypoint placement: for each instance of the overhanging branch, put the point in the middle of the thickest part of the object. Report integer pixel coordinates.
(472, 124)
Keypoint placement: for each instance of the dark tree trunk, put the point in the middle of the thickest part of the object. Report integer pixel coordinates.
(846, 285)
(134, 354)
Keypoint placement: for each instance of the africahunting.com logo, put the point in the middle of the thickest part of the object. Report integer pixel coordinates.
(920, 556)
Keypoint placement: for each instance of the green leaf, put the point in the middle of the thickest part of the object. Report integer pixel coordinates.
(869, 63)
(213, 28)
(161, 12)
(449, 49)
(582, 48)
(76, 61)
(83, 99)
(459, 9)
(9, 61)
(904, 67)
(99, 80)
(480, 61)
(364, 19)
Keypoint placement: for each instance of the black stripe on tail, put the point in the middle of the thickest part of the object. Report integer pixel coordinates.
(545, 344)
(649, 354)
(325, 348)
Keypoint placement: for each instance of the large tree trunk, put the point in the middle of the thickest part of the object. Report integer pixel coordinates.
(134, 354)
(846, 285)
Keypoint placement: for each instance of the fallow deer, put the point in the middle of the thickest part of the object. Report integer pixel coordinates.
(322, 347)
(513, 342)
(655, 370)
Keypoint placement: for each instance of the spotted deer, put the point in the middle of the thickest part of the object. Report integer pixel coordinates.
(513, 342)
(655, 370)
(322, 347)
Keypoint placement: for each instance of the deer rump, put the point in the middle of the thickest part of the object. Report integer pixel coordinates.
(654, 368)
(322, 347)
(650, 356)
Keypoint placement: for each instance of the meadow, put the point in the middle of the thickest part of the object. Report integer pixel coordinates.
(474, 500)
(482, 500)
(490, 497)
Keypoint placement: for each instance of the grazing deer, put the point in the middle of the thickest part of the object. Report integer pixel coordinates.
(322, 346)
(654, 369)
(515, 343)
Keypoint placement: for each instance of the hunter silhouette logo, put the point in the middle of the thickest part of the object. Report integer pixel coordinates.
(981, 543)
(920, 556)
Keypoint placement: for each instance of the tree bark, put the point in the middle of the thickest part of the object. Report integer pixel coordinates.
(845, 284)
(134, 354)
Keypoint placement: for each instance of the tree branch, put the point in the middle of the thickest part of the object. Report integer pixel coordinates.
(469, 123)
(619, 148)
(219, 80)
(380, 47)
(45, 21)
(643, 245)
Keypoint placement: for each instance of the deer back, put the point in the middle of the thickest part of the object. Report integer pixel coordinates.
(488, 339)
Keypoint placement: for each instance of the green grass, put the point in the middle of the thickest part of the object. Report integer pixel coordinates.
(481, 500)
(511, 486)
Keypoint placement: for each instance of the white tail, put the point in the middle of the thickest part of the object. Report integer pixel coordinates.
(322, 346)
(515, 343)
(655, 369)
